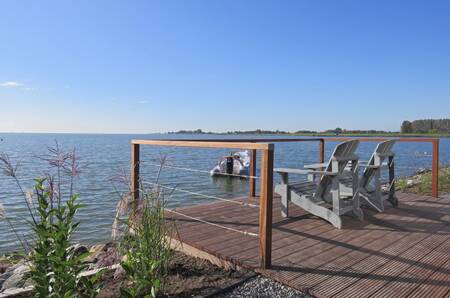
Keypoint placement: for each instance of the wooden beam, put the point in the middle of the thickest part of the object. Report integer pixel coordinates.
(322, 151)
(435, 169)
(135, 152)
(252, 140)
(209, 144)
(265, 209)
(380, 139)
(252, 172)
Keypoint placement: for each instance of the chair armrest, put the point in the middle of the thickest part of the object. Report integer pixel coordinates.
(325, 173)
(383, 165)
(368, 166)
(315, 166)
(302, 172)
(292, 171)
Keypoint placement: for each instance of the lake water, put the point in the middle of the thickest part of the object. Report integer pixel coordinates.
(107, 155)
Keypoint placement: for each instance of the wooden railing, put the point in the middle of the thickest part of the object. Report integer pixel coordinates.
(266, 148)
(266, 180)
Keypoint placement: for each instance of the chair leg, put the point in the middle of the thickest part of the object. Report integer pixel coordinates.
(392, 197)
(393, 200)
(378, 198)
(284, 206)
(357, 211)
(335, 195)
(283, 191)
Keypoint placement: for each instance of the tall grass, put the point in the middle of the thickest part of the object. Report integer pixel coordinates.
(55, 266)
(424, 182)
(147, 247)
(146, 241)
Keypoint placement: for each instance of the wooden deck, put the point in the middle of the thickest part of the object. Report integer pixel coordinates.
(402, 252)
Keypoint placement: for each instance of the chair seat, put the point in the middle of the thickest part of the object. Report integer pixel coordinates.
(306, 188)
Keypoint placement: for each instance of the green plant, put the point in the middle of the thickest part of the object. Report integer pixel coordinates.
(147, 246)
(402, 184)
(55, 265)
(425, 181)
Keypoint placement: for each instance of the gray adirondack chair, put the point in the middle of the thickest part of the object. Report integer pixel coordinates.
(370, 188)
(314, 196)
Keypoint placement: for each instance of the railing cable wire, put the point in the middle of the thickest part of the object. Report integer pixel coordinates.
(200, 171)
(203, 195)
(213, 224)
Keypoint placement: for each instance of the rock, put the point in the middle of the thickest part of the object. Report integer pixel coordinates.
(4, 277)
(95, 251)
(119, 273)
(4, 265)
(96, 248)
(263, 287)
(422, 171)
(109, 255)
(78, 249)
(28, 282)
(15, 277)
(103, 255)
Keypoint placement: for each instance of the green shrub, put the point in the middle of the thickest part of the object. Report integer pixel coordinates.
(424, 183)
(147, 247)
(402, 184)
(55, 266)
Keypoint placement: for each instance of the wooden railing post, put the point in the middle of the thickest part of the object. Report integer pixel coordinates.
(135, 175)
(435, 169)
(252, 181)
(321, 150)
(265, 208)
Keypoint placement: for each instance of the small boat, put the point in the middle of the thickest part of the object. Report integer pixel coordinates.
(236, 164)
(422, 154)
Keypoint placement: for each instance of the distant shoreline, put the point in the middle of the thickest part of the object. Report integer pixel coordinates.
(311, 134)
(319, 134)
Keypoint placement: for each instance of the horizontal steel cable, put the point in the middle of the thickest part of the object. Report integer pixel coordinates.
(203, 195)
(198, 171)
(213, 224)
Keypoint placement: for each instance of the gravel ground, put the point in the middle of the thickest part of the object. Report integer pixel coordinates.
(263, 287)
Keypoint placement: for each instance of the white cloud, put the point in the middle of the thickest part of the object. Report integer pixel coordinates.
(11, 84)
(143, 101)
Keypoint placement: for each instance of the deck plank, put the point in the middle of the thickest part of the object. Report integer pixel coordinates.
(403, 252)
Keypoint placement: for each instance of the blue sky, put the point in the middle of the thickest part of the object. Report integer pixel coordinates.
(156, 66)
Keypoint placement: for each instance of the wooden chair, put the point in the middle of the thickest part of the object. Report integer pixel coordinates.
(314, 196)
(370, 188)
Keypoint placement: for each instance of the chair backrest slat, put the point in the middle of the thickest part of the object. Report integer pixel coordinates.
(382, 150)
(342, 154)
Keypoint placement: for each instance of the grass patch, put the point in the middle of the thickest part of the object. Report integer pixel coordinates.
(424, 182)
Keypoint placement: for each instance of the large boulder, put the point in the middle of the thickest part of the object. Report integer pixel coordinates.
(14, 277)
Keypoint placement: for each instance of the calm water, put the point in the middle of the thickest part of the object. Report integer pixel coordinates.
(108, 155)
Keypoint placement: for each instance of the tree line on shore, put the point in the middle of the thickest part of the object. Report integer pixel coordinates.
(426, 126)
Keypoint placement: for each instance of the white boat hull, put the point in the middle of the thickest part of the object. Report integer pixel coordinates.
(241, 164)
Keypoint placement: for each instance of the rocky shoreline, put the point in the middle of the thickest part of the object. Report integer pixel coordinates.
(13, 268)
(188, 277)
